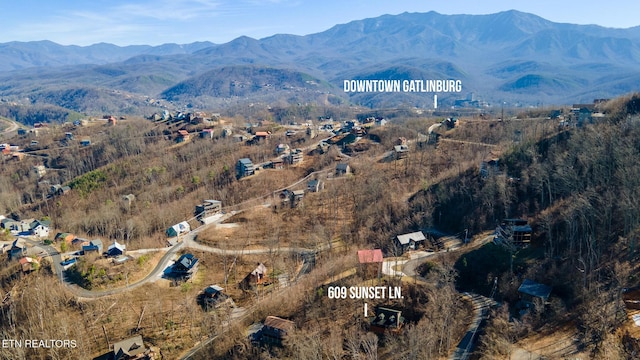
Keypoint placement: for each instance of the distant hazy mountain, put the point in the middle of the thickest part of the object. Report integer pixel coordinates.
(21, 55)
(508, 56)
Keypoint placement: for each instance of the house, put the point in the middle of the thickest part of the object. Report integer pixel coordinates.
(53, 190)
(22, 131)
(66, 237)
(29, 264)
(183, 136)
(18, 249)
(281, 148)
(58, 189)
(16, 227)
(530, 290)
(85, 142)
(370, 261)
(206, 133)
(39, 228)
(93, 246)
(244, 167)
(185, 267)
(213, 296)
(292, 198)
(208, 208)
(277, 164)
(40, 171)
(343, 169)
(401, 151)
(386, 319)
(78, 243)
(359, 131)
(262, 135)
(516, 232)
(381, 122)
(370, 256)
(116, 249)
(178, 229)
(294, 157)
(296, 197)
(532, 294)
(276, 330)
(583, 113)
(410, 240)
(11, 225)
(131, 348)
(315, 185)
(256, 277)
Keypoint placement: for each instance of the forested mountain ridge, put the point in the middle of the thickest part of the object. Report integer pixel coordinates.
(497, 56)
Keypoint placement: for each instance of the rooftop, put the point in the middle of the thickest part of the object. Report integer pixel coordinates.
(414, 236)
(370, 256)
(532, 288)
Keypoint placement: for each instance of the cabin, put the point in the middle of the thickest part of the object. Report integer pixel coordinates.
(18, 249)
(185, 266)
(315, 185)
(277, 164)
(386, 319)
(131, 348)
(530, 290)
(213, 296)
(206, 134)
(40, 171)
(343, 169)
(178, 229)
(281, 149)
(262, 135)
(370, 262)
(295, 157)
(116, 249)
(93, 246)
(532, 294)
(66, 237)
(401, 151)
(256, 277)
(516, 232)
(410, 241)
(183, 136)
(208, 208)
(29, 264)
(276, 330)
(244, 167)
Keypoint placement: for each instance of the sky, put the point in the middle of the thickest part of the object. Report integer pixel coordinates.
(155, 22)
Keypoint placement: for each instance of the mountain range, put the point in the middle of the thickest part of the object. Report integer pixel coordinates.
(510, 56)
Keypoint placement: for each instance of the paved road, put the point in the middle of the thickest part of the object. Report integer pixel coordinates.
(188, 241)
(481, 307)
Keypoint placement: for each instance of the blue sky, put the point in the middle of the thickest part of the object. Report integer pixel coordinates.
(154, 22)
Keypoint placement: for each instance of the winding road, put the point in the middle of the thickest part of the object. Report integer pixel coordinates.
(187, 241)
(13, 127)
